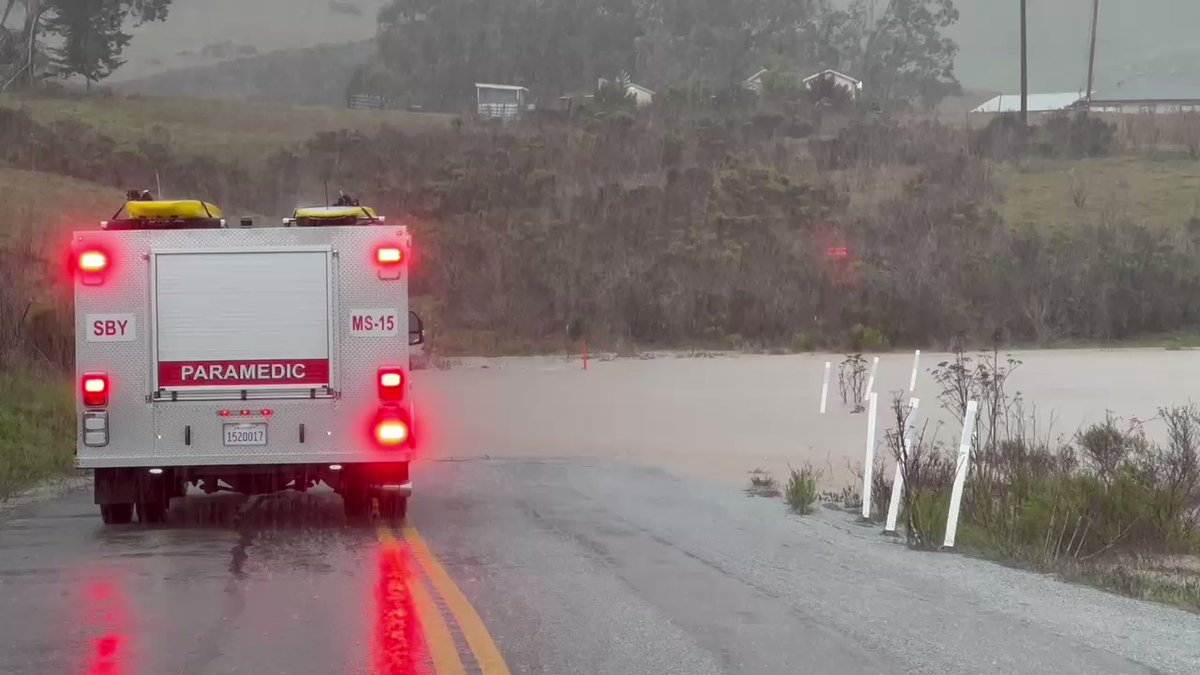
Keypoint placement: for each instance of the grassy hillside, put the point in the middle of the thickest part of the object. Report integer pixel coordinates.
(46, 205)
(1118, 189)
(208, 127)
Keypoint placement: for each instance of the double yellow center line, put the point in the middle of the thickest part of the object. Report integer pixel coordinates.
(442, 649)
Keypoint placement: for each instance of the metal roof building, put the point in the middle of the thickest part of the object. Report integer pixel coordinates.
(1151, 93)
(1009, 103)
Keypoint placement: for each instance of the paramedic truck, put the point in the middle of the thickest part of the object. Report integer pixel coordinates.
(242, 358)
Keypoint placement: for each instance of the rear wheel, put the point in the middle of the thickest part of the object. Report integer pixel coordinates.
(356, 503)
(116, 514)
(393, 507)
(152, 512)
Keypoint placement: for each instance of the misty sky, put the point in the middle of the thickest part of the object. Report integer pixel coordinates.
(1134, 35)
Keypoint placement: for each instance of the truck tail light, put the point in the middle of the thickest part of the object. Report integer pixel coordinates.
(392, 429)
(391, 384)
(95, 390)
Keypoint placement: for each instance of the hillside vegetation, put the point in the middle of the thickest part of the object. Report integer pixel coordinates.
(248, 132)
(704, 223)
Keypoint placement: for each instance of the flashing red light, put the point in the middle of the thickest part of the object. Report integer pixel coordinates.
(391, 432)
(95, 390)
(93, 262)
(245, 413)
(225, 413)
(392, 428)
(391, 384)
(267, 412)
(389, 255)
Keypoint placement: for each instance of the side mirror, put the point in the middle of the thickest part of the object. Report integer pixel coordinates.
(416, 329)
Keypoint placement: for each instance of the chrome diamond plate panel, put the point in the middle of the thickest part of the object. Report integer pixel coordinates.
(153, 434)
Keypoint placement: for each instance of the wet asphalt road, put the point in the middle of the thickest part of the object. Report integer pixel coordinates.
(574, 566)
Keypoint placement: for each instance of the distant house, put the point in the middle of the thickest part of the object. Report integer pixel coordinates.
(641, 95)
(1038, 103)
(1151, 94)
(755, 82)
(504, 101)
(842, 80)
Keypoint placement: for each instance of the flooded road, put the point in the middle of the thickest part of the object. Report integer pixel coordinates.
(583, 522)
(718, 418)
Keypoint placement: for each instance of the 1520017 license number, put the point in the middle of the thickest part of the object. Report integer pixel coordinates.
(245, 434)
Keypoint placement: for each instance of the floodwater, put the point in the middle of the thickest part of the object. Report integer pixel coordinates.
(719, 417)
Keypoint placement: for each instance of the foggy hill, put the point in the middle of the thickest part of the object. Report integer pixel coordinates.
(310, 76)
(205, 32)
(1134, 38)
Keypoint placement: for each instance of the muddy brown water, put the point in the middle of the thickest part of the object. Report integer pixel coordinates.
(719, 417)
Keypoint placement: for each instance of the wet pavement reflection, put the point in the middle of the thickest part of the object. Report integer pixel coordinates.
(230, 584)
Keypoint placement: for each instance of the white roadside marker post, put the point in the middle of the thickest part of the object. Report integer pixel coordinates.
(871, 379)
(910, 431)
(912, 382)
(960, 473)
(869, 465)
(825, 387)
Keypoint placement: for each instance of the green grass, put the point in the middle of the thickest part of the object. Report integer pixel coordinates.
(248, 131)
(1112, 189)
(42, 204)
(37, 428)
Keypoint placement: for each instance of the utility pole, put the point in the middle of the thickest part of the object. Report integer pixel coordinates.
(1092, 52)
(1024, 71)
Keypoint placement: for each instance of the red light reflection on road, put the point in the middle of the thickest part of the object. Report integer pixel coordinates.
(106, 629)
(399, 645)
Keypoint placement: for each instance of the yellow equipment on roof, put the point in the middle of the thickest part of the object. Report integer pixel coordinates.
(183, 209)
(335, 212)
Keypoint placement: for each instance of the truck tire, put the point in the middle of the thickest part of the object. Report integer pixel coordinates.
(393, 507)
(151, 512)
(356, 504)
(116, 514)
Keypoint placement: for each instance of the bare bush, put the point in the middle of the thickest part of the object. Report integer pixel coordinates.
(852, 380)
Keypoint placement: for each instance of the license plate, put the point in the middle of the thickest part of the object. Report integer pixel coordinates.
(245, 434)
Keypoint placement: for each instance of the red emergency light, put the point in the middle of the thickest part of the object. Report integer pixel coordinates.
(95, 390)
(93, 262)
(390, 384)
(91, 265)
(389, 255)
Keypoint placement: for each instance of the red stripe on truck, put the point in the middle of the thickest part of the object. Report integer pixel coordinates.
(313, 372)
